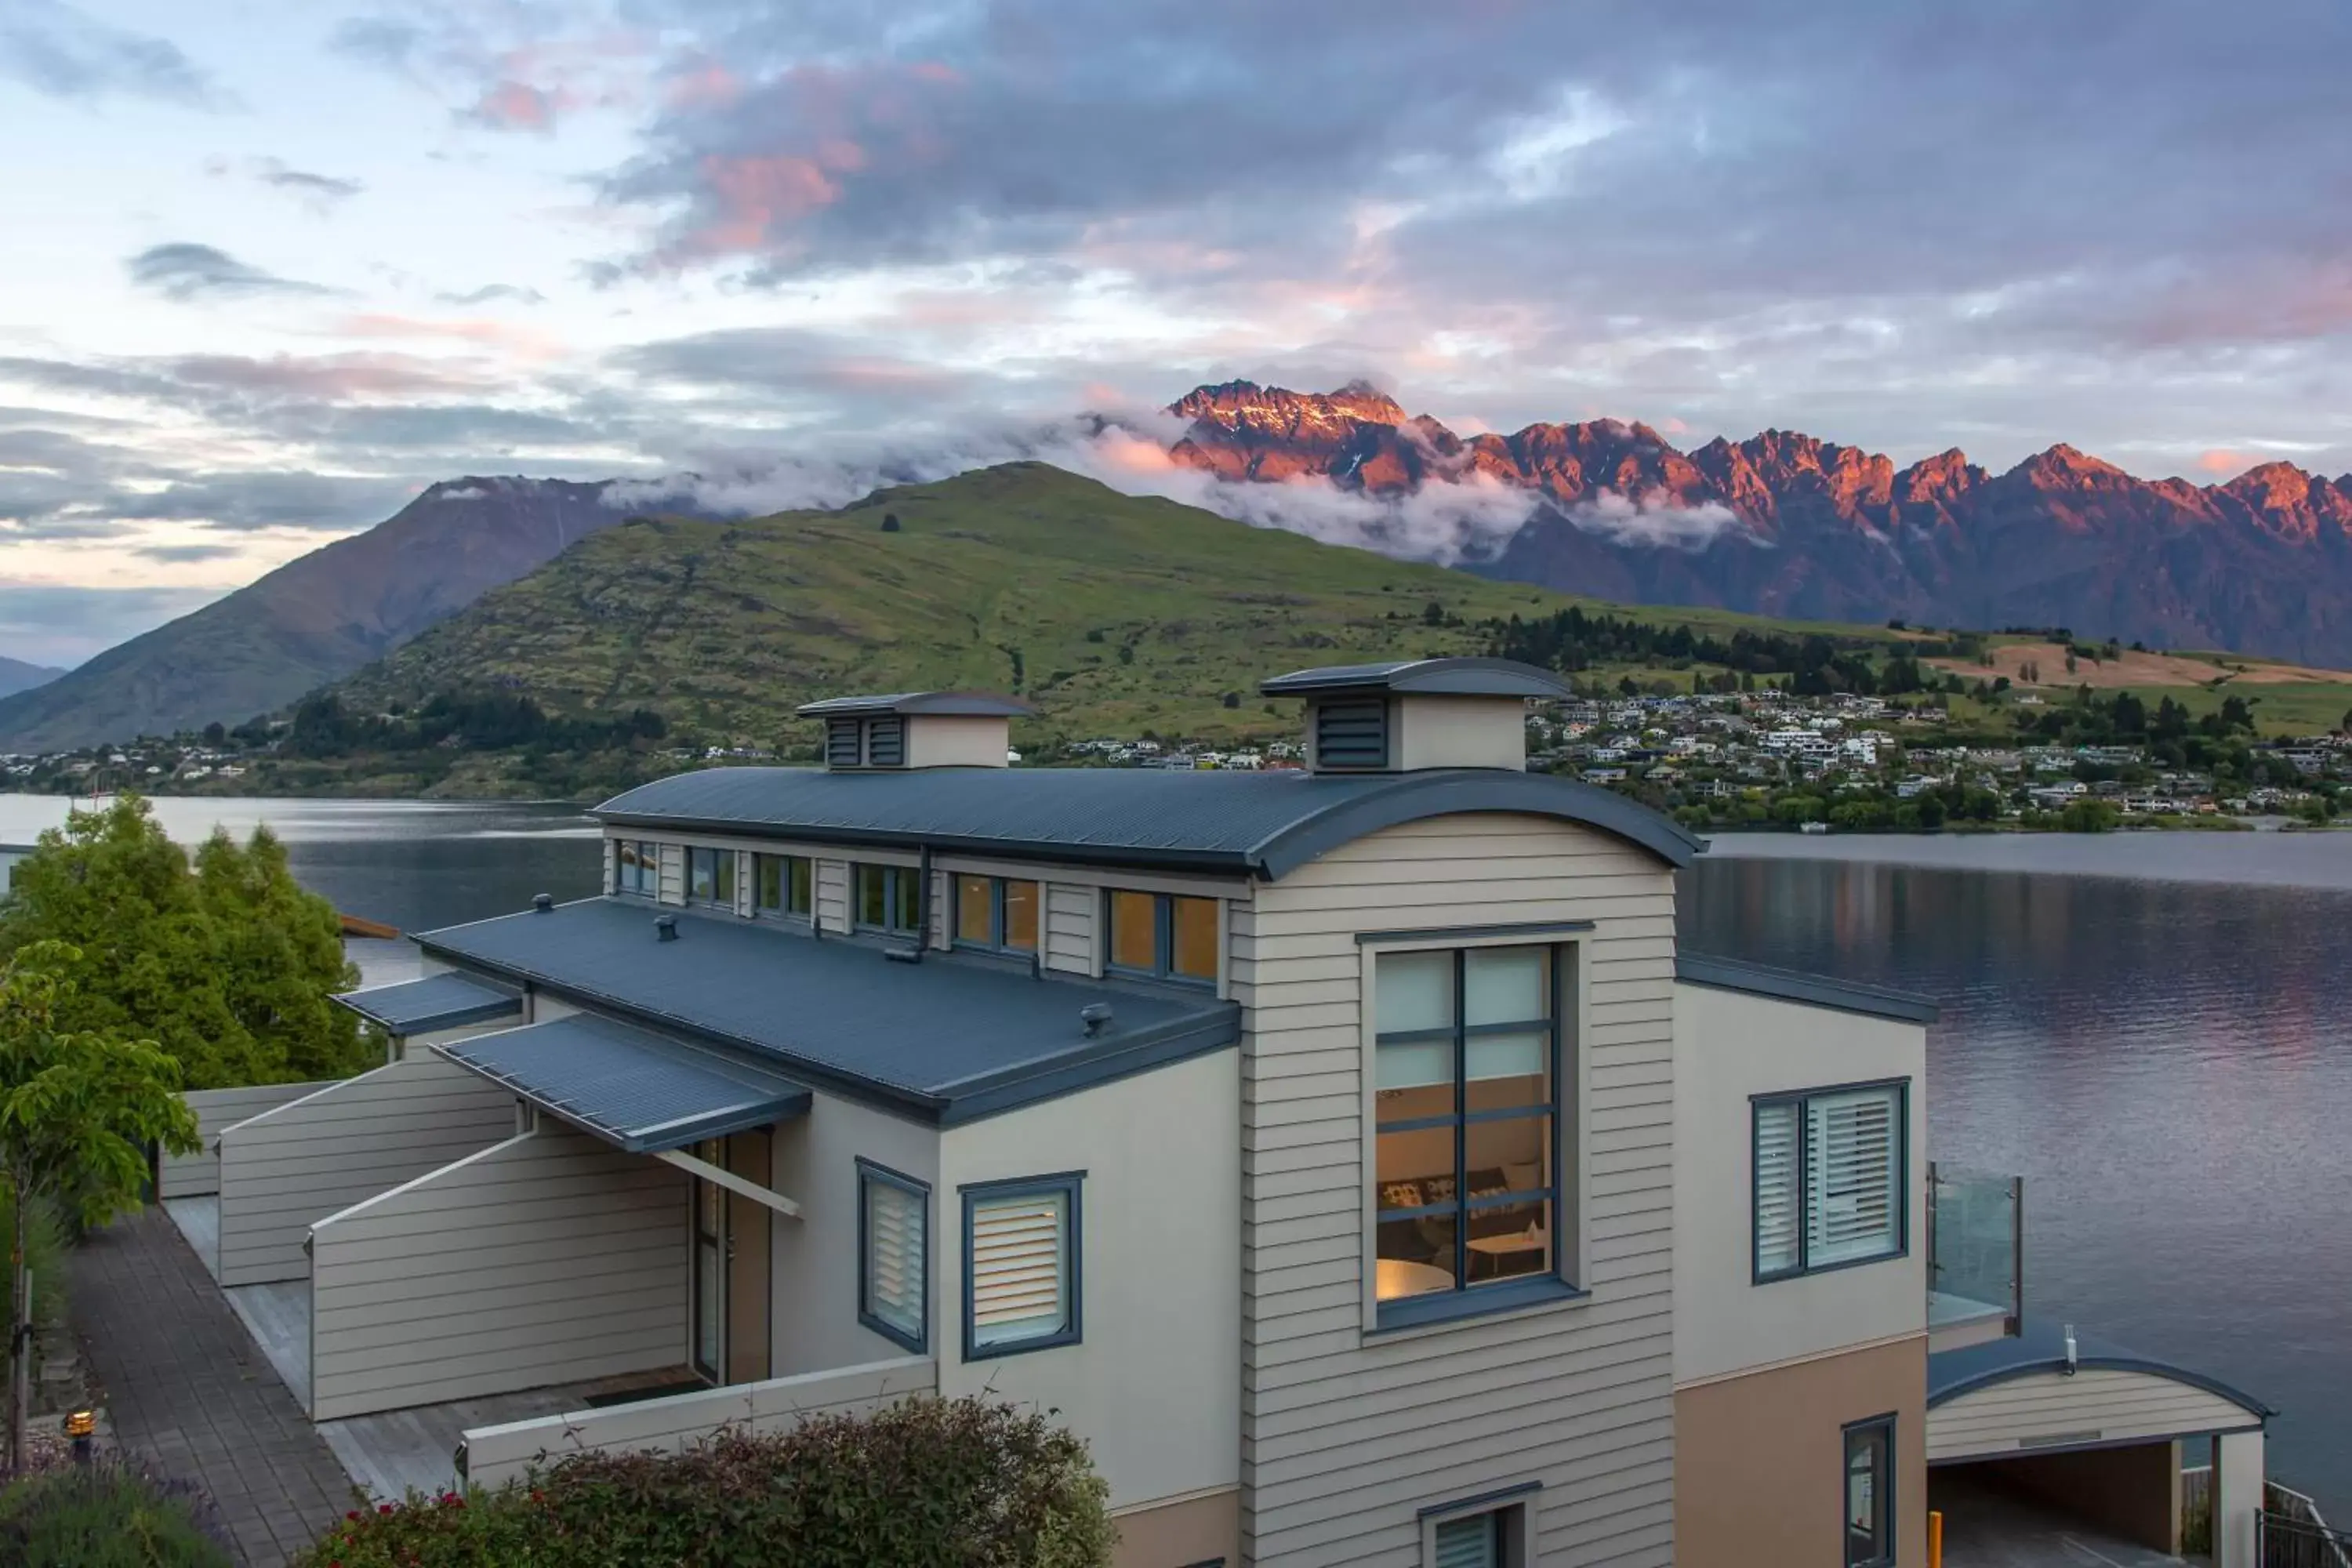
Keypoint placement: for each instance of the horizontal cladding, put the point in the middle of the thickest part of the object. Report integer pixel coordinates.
(218, 1111)
(832, 895)
(1344, 1439)
(548, 1258)
(1070, 927)
(283, 1172)
(2096, 1404)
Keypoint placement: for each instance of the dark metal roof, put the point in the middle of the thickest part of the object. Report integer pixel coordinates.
(1264, 824)
(435, 1002)
(986, 704)
(950, 1038)
(2040, 1346)
(1438, 676)
(1794, 985)
(636, 1089)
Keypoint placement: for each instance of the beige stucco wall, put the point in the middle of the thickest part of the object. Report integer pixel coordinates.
(816, 1256)
(1759, 1458)
(1155, 1386)
(1729, 1046)
(1179, 1534)
(1460, 733)
(957, 740)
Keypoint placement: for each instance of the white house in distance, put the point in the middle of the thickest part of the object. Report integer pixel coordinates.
(1347, 1153)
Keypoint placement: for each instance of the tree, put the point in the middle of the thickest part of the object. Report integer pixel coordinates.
(78, 1111)
(227, 966)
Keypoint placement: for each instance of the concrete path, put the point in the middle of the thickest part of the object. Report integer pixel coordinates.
(186, 1387)
(1987, 1527)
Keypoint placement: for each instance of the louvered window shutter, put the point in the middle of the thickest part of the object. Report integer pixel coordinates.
(1469, 1542)
(1352, 733)
(1779, 1127)
(895, 1249)
(1854, 1179)
(886, 741)
(1020, 1267)
(841, 743)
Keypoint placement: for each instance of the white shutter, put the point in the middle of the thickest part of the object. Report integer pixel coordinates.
(1467, 1544)
(1020, 1267)
(895, 1251)
(1854, 1178)
(1778, 1126)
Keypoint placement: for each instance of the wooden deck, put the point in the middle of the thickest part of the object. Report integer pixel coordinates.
(395, 1451)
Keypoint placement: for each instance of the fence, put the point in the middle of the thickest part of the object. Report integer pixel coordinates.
(2296, 1535)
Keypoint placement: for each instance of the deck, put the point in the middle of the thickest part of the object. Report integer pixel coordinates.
(395, 1451)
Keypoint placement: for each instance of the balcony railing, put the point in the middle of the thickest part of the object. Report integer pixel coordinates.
(1976, 1246)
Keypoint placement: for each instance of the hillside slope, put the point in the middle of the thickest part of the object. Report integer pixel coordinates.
(16, 675)
(314, 619)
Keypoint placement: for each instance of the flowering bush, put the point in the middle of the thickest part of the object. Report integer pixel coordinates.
(108, 1513)
(943, 1483)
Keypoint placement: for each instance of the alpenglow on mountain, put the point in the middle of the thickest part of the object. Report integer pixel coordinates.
(1785, 524)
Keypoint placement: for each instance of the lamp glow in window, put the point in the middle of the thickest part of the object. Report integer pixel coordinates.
(1021, 1267)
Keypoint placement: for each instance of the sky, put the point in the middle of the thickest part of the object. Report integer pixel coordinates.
(268, 269)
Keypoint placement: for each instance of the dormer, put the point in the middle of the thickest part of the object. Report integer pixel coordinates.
(1417, 714)
(917, 730)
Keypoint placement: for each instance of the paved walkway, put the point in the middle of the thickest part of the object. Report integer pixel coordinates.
(184, 1386)
(1986, 1526)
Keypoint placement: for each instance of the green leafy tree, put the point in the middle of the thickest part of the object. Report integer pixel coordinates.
(78, 1108)
(226, 965)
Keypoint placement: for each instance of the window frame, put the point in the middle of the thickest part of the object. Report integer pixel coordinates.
(725, 868)
(892, 876)
(649, 884)
(1070, 1185)
(1163, 938)
(1513, 1510)
(870, 1172)
(1889, 1523)
(1572, 1178)
(1805, 1268)
(784, 912)
(998, 890)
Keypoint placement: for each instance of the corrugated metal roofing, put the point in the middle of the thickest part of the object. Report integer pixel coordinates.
(968, 704)
(435, 1002)
(641, 1092)
(1437, 677)
(1795, 985)
(2040, 1346)
(951, 1037)
(1264, 824)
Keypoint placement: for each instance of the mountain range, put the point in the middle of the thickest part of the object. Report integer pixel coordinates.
(1786, 524)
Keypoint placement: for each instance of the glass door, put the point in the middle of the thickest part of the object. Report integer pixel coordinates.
(710, 1349)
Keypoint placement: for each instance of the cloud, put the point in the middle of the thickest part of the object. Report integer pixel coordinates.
(489, 293)
(335, 503)
(320, 192)
(57, 49)
(1655, 520)
(182, 554)
(518, 105)
(188, 272)
(59, 624)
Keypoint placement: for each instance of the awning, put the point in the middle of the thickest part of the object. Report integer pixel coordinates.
(435, 1002)
(641, 1092)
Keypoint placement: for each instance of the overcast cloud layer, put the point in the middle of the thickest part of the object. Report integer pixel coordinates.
(271, 271)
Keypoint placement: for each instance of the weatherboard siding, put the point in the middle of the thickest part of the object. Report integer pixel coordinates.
(671, 884)
(1346, 1435)
(218, 1111)
(1070, 928)
(832, 895)
(284, 1170)
(2097, 1405)
(548, 1258)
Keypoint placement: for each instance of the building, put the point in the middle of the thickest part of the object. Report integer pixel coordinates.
(1347, 1153)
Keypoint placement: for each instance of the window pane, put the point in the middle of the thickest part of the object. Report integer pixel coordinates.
(975, 909)
(1512, 1155)
(703, 868)
(1469, 1542)
(872, 904)
(1507, 1240)
(770, 893)
(800, 873)
(908, 888)
(1414, 1064)
(1504, 985)
(1193, 951)
(1852, 1178)
(1777, 1131)
(1866, 1524)
(1416, 1168)
(1515, 1055)
(1021, 915)
(895, 1256)
(1134, 940)
(1020, 1267)
(1416, 1256)
(1412, 991)
(723, 884)
(648, 867)
(706, 1295)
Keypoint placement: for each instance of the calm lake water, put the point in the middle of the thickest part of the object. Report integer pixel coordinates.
(2151, 1029)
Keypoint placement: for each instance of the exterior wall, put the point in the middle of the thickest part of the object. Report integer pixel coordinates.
(283, 1169)
(673, 874)
(1070, 922)
(1759, 1458)
(1728, 1046)
(1193, 1531)
(1460, 733)
(2133, 1492)
(498, 1454)
(1347, 1434)
(542, 1259)
(1154, 1384)
(2238, 1503)
(217, 1110)
(957, 740)
(832, 878)
(816, 1261)
(2097, 1405)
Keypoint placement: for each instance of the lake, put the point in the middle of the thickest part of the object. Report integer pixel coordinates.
(2150, 1028)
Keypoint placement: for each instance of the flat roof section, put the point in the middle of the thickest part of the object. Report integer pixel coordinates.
(435, 1002)
(1795, 985)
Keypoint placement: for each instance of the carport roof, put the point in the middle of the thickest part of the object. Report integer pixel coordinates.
(2040, 1346)
(435, 1002)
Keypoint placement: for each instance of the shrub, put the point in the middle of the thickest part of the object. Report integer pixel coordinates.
(108, 1514)
(956, 1483)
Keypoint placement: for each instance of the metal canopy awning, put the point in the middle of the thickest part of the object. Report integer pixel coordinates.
(435, 1002)
(638, 1091)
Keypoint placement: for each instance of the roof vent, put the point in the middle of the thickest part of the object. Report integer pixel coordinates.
(665, 928)
(543, 902)
(1096, 1017)
(1418, 713)
(917, 730)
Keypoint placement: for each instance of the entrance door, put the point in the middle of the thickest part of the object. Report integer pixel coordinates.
(748, 1336)
(709, 1225)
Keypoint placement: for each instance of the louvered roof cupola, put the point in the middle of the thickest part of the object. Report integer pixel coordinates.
(903, 730)
(1413, 715)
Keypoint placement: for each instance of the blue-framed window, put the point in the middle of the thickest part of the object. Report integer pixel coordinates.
(1023, 1275)
(1468, 1069)
(1000, 912)
(1868, 1504)
(1829, 1185)
(781, 884)
(1165, 935)
(894, 1238)
(887, 898)
(636, 867)
(711, 877)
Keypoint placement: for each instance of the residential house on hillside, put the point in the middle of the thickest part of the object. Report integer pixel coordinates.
(1347, 1153)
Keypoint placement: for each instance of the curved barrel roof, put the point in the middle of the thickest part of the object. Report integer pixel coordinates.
(2040, 1347)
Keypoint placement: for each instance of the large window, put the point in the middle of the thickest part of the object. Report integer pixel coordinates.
(781, 885)
(1869, 1502)
(711, 877)
(890, 898)
(1829, 1178)
(636, 867)
(1466, 1076)
(893, 1246)
(1164, 935)
(1022, 1278)
(996, 911)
